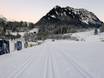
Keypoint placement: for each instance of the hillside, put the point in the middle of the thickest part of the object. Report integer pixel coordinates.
(9, 27)
(89, 36)
(67, 19)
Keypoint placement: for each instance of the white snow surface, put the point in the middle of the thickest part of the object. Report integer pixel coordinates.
(89, 36)
(55, 59)
(53, 16)
(34, 30)
(21, 33)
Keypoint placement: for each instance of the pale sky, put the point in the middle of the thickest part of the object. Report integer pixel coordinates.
(33, 10)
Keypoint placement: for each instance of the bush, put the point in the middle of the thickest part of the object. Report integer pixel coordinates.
(42, 35)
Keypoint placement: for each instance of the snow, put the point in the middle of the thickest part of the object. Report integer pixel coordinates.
(53, 16)
(34, 30)
(56, 12)
(89, 36)
(22, 33)
(65, 13)
(12, 47)
(57, 59)
(86, 16)
(61, 14)
(15, 33)
(85, 21)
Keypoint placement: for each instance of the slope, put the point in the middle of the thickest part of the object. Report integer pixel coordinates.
(58, 59)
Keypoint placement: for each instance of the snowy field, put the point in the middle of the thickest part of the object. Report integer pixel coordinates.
(89, 36)
(57, 59)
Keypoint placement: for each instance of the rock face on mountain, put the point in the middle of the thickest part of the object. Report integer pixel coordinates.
(67, 19)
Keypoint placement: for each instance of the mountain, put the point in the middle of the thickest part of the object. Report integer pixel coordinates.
(66, 19)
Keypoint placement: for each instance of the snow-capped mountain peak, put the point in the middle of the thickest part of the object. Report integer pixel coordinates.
(85, 16)
(68, 17)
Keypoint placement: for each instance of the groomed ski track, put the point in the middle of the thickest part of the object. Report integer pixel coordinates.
(48, 60)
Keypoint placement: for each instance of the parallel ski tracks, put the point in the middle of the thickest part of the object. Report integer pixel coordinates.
(49, 64)
(71, 60)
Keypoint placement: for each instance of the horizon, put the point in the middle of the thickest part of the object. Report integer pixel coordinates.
(33, 11)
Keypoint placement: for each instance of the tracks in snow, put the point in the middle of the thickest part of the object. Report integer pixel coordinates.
(49, 71)
(49, 64)
(17, 73)
(72, 63)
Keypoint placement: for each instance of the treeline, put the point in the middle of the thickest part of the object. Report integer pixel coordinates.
(14, 26)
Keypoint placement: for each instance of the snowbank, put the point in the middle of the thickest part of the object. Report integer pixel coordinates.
(89, 36)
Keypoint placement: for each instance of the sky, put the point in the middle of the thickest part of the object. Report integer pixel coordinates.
(33, 10)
